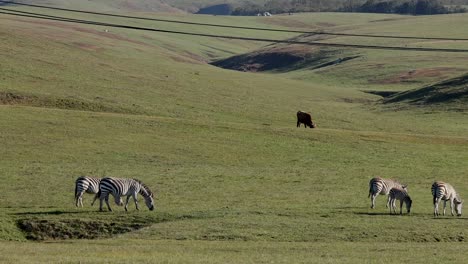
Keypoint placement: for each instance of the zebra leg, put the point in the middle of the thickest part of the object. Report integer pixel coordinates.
(452, 206)
(107, 202)
(401, 206)
(78, 199)
(373, 200)
(136, 201)
(126, 203)
(391, 205)
(388, 201)
(100, 203)
(95, 198)
(445, 205)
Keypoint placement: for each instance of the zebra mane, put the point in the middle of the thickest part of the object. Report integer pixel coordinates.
(144, 187)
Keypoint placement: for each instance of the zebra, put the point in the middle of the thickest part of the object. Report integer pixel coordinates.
(86, 184)
(402, 195)
(89, 185)
(382, 186)
(444, 191)
(124, 187)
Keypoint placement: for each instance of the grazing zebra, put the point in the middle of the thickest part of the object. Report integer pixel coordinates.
(124, 187)
(444, 191)
(89, 185)
(86, 184)
(382, 186)
(402, 196)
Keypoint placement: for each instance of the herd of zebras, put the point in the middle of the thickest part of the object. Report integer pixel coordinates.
(118, 187)
(115, 186)
(397, 191)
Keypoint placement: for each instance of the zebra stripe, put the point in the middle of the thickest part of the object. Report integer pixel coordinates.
(86, 184)
(382, 186)
(124, 187)
(402, 196)
(446, 192)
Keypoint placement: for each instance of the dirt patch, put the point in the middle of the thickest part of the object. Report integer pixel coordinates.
(260, 62)
(415, 74)
(13, 98)
(274, 58)
(284, 59)
(73, 229)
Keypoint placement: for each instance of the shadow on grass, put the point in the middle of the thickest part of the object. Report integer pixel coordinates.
(372, 213)
(449, 218)
(54, 212)
(420, 215)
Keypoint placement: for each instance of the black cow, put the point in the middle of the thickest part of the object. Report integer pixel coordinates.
(306, 119)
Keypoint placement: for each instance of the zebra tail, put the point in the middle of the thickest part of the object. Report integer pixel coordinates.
(370, 190)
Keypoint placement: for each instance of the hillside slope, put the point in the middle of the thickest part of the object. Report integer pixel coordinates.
(234, 179)
(108, 5)
(133, 72)
(453, 91)
(388, 69)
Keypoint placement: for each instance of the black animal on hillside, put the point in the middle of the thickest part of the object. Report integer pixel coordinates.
(306, 119)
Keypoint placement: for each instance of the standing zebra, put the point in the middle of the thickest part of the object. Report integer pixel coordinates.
(444, 191)
(124, 187)
(382, 186)
(402, 195)
(86, 184)
(89, 185)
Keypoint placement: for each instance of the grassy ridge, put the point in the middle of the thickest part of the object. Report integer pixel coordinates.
(232, 173)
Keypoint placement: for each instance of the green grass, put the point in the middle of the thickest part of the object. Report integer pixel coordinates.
(151, 251)
(235, 180)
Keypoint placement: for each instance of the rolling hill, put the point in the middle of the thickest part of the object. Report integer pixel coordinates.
(108, 5)
(452, 91)
(235, 179)
(405, 70)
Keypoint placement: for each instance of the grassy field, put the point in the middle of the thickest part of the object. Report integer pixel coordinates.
(235, 180)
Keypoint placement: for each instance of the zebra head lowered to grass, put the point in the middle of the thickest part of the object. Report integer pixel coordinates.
(119, 187)
(382, 186)
(402, 196)
(444, 191)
